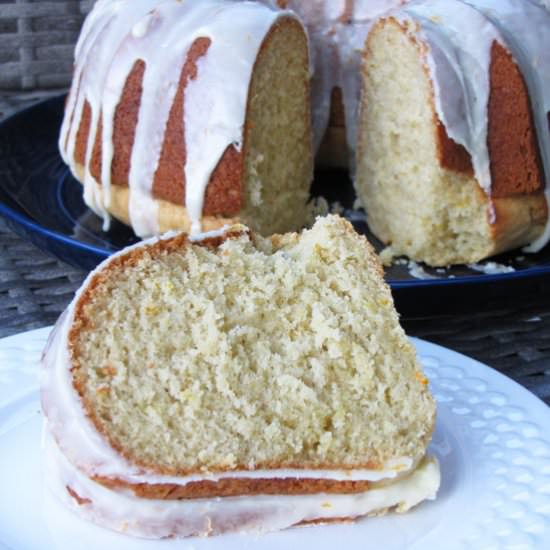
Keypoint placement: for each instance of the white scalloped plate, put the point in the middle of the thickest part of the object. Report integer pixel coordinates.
(492, 439)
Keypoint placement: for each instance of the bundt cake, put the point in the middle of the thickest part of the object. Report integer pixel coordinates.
(191, 115)
(454, 146)
(232, 382)
(448, 143)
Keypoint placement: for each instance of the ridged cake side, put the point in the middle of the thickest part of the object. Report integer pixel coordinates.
(203, 133)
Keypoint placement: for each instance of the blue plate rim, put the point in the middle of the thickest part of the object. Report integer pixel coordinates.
(28, 223)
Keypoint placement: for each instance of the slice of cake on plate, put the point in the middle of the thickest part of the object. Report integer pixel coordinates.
(237, 383)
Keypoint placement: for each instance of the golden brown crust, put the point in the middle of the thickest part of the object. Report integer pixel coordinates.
(516, 166)
(520, 215)
(170, 182)
(79, 500)
(221, 199)
(124, 129)
(223, 193)
(237, 487)
(452, 155)
(81, 140)
(513, 149)
(519, 219)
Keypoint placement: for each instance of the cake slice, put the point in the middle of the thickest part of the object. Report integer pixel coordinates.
(237, 383)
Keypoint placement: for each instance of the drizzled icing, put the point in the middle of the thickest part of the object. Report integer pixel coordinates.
(459, 35)
(460, 40)
(151, 518)
(367, 10)
(119, 33)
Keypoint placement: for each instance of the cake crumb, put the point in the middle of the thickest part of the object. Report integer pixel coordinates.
(491, 268)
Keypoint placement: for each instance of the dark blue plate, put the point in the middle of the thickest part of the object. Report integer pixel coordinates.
(42, 202)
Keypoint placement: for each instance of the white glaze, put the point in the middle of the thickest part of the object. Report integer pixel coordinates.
(368, 10)
(209, 234)
(458, 35)
(121, 511)
(103, 33)
(115, 36)
(317, 13)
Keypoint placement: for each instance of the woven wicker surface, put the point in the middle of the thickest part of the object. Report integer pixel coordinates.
(34, 288)
(37, 41)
